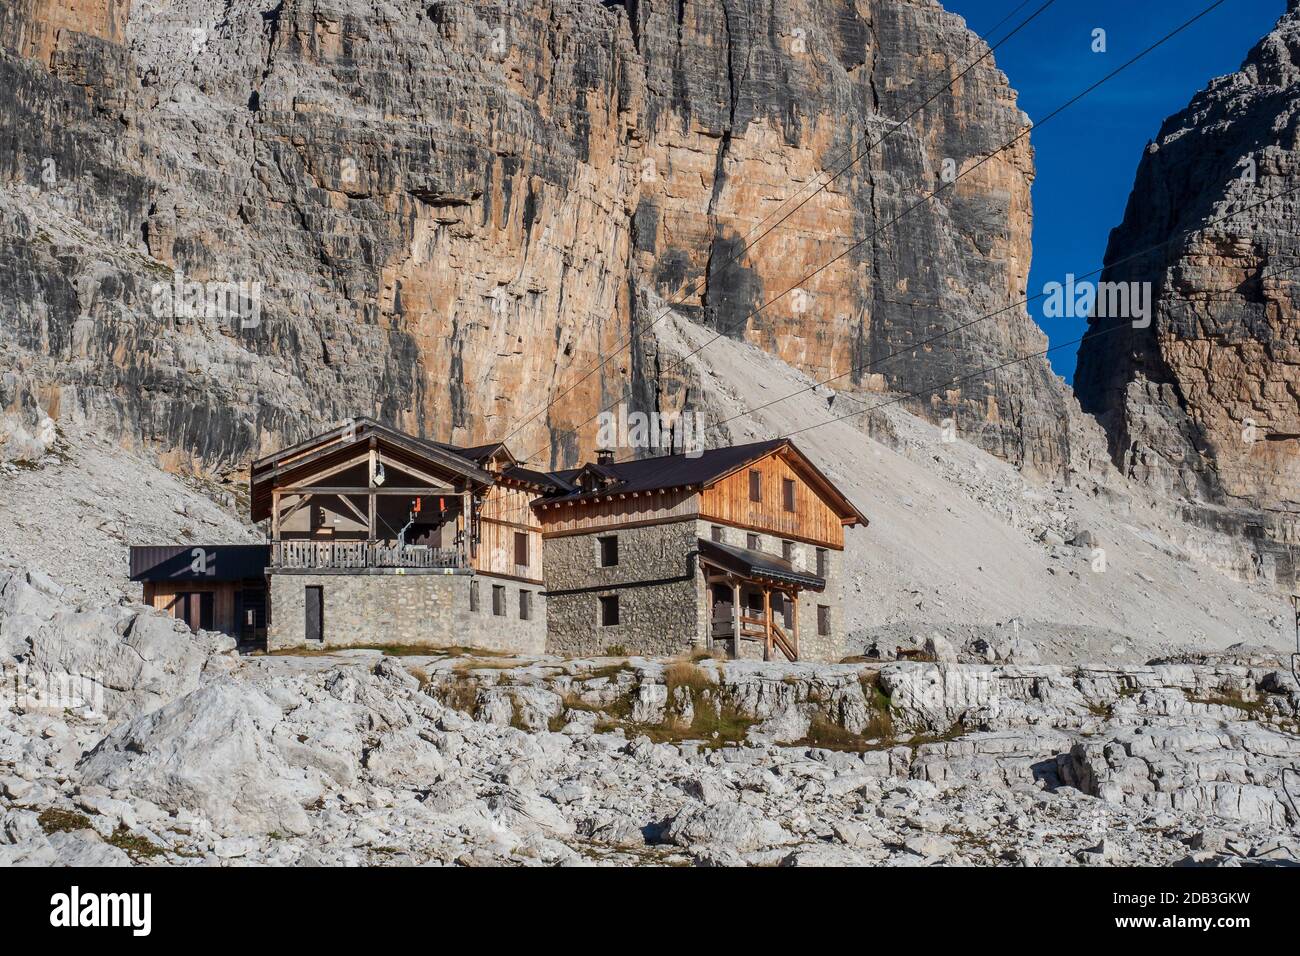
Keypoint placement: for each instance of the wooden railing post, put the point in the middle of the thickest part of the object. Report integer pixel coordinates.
(767, 624)
(735, 618)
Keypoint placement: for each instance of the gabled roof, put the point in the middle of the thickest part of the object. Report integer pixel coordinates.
(702, 471)
(345, 440)
(478, 453)
(755, 564)
(547, 484)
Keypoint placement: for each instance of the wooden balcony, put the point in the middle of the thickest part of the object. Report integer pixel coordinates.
(359, 555)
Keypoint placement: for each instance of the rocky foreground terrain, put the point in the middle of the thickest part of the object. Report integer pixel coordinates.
(133, 741)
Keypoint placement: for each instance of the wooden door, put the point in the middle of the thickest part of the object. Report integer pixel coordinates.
(315, 612)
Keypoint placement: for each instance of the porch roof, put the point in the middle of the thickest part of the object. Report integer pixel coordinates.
(757, 565)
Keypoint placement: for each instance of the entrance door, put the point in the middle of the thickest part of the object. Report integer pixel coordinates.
(315, 612)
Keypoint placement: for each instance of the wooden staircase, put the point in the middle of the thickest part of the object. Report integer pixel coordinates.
(756, 629)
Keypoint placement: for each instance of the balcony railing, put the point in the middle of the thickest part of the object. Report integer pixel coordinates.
(307, 555)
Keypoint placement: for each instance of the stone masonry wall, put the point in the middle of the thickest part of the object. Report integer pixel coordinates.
(419, 609)
(672, 617)
(658, 619)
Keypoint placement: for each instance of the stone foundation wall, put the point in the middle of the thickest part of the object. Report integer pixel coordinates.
(432, 610)
(655, 619)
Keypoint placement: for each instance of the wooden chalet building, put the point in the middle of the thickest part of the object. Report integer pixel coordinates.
(379, 538)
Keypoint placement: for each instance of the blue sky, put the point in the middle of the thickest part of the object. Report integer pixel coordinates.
(1087, 156)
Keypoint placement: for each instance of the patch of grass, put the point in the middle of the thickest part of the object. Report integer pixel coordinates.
(420, 674)
(1256, 709)
(609, 671)
(952, 733)
(391, 650)
(62, 821)
(828, 735)
(517, 714)
(616, 650)
(135, 846)
(879, 733)
(686, 674)
(459, 692)
(881, 724)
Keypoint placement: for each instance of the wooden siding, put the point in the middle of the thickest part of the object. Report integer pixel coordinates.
(505, 512)
(728, 502)
(618, 511)
(162, 595)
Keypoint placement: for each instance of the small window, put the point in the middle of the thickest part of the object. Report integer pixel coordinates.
(787, 612)
(787, 550)
(755, 486)
(521, 548)
(751, 542)
(822, 562)
(499, 600)
(608, 551)
(787, 493)
(525, 605)
(716, 532)
(609, 611)
(823, 620)
(473, 595)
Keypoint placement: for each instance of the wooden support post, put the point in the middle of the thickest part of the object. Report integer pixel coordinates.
(735, 618)
(794, 624)
(275, 516)
(372, 530)
(467, 508)
(767, 624)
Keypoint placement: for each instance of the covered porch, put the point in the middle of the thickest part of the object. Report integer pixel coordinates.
(753, 597)
(366, 497)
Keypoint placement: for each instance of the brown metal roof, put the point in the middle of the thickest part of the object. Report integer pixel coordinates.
(708, 468)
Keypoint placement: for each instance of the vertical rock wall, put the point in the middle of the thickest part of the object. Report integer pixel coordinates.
(454, 210)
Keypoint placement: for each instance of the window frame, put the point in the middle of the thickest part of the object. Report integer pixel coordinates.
(755, 485)
(788, 495)
(604, 544)
(498, 600)
(605, 602)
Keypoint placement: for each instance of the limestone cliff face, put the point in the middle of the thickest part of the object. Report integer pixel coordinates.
(453, 210)
(1205, 402)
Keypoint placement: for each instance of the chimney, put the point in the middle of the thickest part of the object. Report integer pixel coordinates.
(604, 456)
